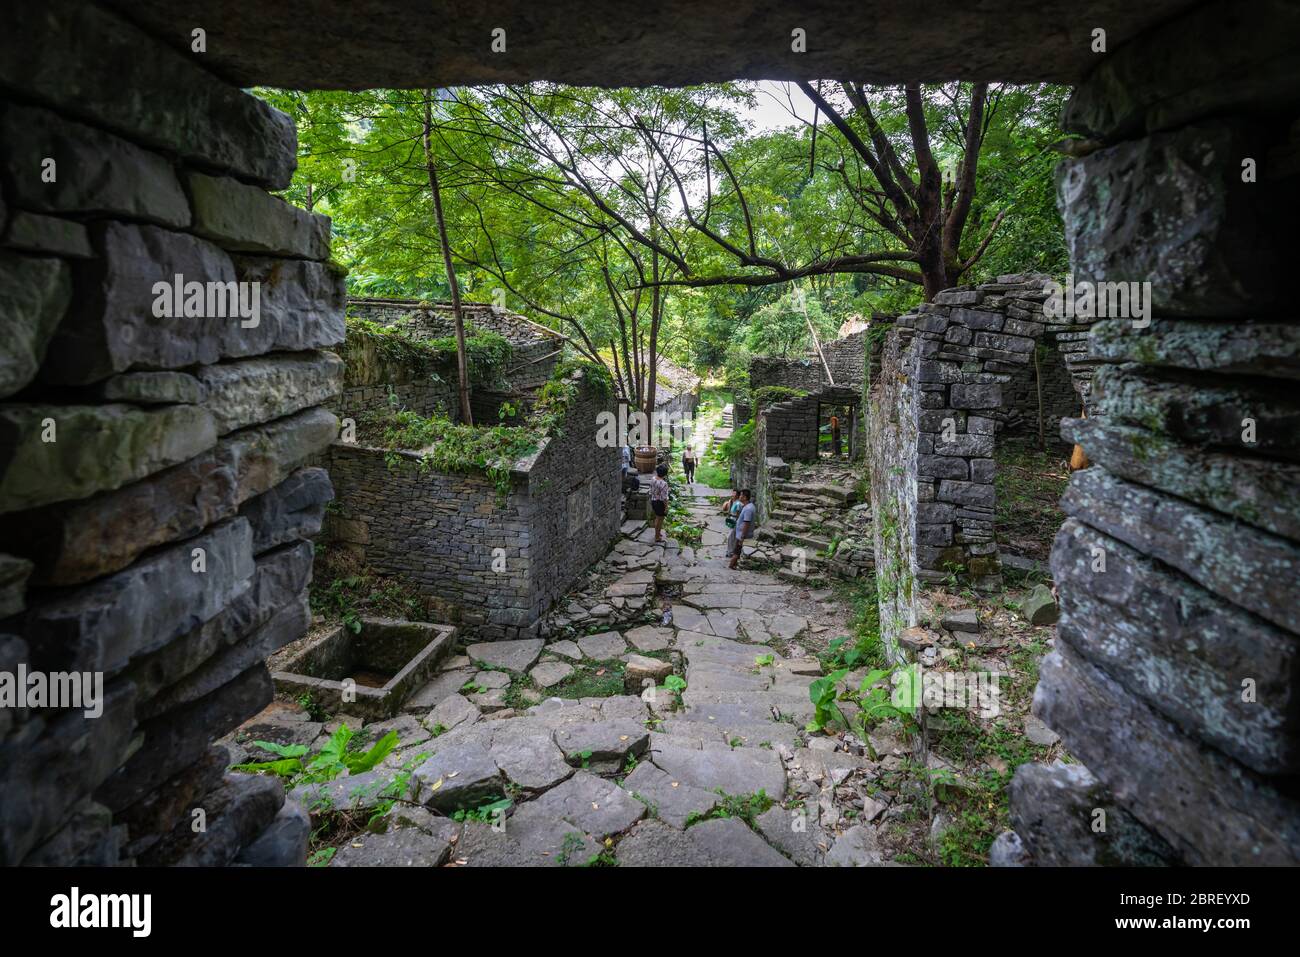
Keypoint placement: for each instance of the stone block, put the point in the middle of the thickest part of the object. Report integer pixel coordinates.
(284, 841)
(303, 304)
(965, 493)
(976, 396)
(53, 762)
(233, 815)
(71, 542)
(177, 739)
(112, 326)
(102, 626)
(96, 173)
(245, 218)
(151, 388)
(1171, 76)
(1210, 809)
(47, 236)
(1260, 492)
(54, 453)
(1054, 809)
(1171, 209)
(79, 58)
(1181, 649)
(292, 510)
(34, 294)
(1237, 562)
(262, 456)
(1253, 348)
(250, 391)
(14, 573)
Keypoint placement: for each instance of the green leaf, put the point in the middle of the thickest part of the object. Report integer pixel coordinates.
(359, 763)
(283, 750)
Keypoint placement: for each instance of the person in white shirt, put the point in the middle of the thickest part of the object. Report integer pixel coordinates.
(744, 524)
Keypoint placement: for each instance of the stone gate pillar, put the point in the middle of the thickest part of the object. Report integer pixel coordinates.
(1176, 674)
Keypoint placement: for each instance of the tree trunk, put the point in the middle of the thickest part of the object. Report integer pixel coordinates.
(462, 365)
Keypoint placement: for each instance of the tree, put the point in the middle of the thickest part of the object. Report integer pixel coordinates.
(458, 319)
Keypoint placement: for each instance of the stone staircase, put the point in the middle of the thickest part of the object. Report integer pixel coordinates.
(809, 517)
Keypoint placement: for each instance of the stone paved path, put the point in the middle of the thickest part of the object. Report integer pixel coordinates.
(720, 774)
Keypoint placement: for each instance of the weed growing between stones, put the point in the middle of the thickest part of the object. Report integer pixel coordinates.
(744, 807)
(591, 679)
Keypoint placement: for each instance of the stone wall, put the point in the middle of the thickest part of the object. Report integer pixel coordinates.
(1174, 678)
(494, 561)
(893, 412)
(535, 352)
(971, 347)
(154, 508)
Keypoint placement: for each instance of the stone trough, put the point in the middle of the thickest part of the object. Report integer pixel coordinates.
(369, 673)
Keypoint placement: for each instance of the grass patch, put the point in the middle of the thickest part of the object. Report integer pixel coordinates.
(591, 679)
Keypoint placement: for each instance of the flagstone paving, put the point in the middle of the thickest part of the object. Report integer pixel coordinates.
(715, 773)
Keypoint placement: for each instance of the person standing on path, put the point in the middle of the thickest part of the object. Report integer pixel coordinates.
(835, 435)
(659, 500)
(731, 509)
(688, 464)
(744, 525)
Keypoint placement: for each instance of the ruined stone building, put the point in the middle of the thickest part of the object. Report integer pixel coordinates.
(158, 501)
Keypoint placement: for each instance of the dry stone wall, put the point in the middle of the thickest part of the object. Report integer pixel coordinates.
(964, 356)
(155, 511)
(1174, 675)
(494, 561)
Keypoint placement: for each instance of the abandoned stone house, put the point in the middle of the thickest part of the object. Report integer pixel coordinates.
(494, 555)
(163, 538)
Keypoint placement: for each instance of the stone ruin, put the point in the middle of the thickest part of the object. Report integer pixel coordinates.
(155, 511)
(950, 382)
(1173, 679)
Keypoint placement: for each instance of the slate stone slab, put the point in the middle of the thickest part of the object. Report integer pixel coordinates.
(113, 178)
(603, 645)
(591, 804)
(247, 219)
(532, 761)
(550, 673)
(607, 741)
(94, 448)
(856, 847)
(741, 771)
(1226, 813)
(515, 656)
(1053, 810)
(668, 800)
(283, 843)
(234, 815)
(456, 777)
(399, 847)
(530, 841)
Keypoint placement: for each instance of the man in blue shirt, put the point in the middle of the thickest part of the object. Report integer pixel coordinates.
(744, 524)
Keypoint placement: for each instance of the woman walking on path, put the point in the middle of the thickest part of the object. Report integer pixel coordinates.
(688, 464)
(659, 500)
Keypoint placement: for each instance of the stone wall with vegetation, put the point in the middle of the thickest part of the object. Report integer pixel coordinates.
(533, 352)
(1174, 678)
(495, 551)
(155, 513)
(893, 411)
(970, 345)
